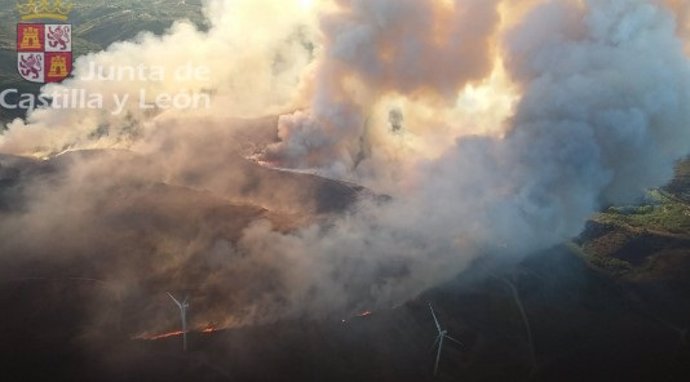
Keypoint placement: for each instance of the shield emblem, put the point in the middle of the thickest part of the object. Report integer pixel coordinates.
(44, 52)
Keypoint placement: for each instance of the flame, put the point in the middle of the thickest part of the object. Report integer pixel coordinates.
(209, 329)
(366, 313)
(363, 314)
(155, 337)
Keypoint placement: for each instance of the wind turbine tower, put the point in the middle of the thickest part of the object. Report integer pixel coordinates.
(442, 335)
(183, 306)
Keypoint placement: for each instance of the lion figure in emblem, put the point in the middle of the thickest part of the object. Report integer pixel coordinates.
(31, 66)
(58, 35)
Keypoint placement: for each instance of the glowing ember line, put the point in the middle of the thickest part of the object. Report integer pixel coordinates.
(155, 337)
(365, 314)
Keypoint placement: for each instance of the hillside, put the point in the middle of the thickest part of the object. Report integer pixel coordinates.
(610, 307)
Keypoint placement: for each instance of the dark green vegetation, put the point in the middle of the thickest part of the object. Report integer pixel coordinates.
(97, 24)
(643, 241)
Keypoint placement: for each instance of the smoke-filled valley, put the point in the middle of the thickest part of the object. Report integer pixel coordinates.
(519, 164)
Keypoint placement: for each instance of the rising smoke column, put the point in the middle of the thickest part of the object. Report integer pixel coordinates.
(602, 116)
(376, 47)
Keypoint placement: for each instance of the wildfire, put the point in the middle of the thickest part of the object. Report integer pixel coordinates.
(209, 329)
(155, 337)
(366, 313)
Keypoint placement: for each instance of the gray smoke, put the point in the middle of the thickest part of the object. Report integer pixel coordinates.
(377, 47)
(602, 117)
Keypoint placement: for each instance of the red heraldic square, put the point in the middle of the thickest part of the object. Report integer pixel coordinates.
(30, 37)
(57, 66)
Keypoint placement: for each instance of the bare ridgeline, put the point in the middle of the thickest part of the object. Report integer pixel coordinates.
(369, 176)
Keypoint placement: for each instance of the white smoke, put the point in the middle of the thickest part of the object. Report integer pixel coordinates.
(601, 117)
(378, 47)
(253, 71)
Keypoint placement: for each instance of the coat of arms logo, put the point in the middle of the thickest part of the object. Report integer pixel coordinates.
(44, 40)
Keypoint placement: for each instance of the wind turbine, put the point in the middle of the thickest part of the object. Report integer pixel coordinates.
(184, 305)
(442, 335)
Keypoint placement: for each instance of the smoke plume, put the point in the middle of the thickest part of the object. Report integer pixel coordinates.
(493, 127)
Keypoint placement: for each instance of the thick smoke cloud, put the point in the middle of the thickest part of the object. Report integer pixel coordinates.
(600, 120)
(252, 72)
(600, 115)
(408, 47)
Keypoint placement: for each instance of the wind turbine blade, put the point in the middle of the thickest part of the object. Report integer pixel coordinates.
(438, 326)
(436, 341)
(175, 300)
(438, 354)
(454, 340)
